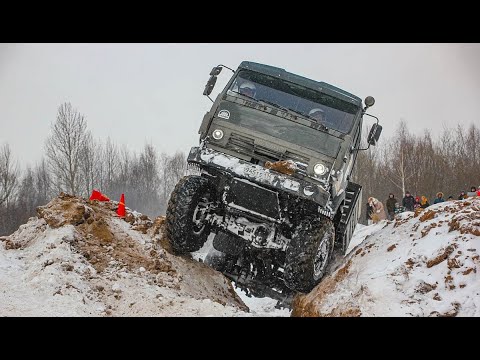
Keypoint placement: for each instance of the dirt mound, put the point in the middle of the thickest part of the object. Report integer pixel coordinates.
(117, 265)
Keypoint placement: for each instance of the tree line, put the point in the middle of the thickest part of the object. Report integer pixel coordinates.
(420, 164)
(75, 162)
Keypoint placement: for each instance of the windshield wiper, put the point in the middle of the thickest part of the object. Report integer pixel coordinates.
(316, 124)
(273, 104)
(236, 92)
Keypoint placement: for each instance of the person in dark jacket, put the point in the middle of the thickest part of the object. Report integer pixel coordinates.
(462, 195)
(408, 201)
(439, 198)
(391, 201)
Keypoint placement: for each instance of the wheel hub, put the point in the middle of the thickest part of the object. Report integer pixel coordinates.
(321, 257)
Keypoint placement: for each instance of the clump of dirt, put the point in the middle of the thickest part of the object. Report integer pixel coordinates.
(287, 167)
(453, 225)
(449, 282)
(469, 270)
(467, 222)
(453, 264)
(450, 313)
(399, 222)
(306, 305)
(427, 229)
(391, 247)
(341, 312)
(9, 244)
(342, 272)
(409, 263)
(64, 210)
(428, 215)
(441, 257)
(142, 224)
(424, 287)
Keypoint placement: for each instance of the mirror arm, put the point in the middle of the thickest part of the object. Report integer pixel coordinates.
(227, 68)
(364, 113)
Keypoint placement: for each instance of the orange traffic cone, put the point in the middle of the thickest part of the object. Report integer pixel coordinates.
(97, 195)
(121, 206)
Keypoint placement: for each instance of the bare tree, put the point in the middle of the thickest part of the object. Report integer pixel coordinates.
(64, 147)
(111, 163)
(88, 163)
(398, 167)
(43, 182)
(8, 175)
(172, 169)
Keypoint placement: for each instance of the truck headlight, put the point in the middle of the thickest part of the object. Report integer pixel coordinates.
(320, 169)
(217, 134)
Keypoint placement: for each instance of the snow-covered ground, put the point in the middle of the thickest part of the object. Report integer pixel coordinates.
(413, 266)
(78, 259)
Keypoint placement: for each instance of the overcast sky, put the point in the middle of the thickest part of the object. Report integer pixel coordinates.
(137, 93)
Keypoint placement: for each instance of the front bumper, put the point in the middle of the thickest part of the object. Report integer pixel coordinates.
(259, 175)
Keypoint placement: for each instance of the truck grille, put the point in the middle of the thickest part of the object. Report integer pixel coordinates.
(247, 146)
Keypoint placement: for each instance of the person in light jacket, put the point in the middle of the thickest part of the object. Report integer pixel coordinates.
(378, 210)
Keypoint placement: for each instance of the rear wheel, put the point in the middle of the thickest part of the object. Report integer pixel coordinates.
(308, 254)
(187, 215)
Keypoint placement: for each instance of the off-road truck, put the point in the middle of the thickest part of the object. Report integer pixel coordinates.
(272, 182)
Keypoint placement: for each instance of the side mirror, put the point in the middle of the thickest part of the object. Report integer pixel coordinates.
(216, 70)
(210, 84)
(374, 134)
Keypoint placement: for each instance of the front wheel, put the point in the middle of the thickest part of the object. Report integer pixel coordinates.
(187, 214)
(308, 254)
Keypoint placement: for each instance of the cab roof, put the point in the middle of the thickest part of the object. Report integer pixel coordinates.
(297, 79)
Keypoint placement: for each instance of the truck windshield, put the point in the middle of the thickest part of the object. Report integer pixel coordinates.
(332, 112)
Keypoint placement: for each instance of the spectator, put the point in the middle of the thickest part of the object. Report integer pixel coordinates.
(424, 203)
(399, 209)
(450, 198)
(391, 201)
(478, 191)
(462, 195)
(379, 211)
(369, 213)
(408, 201)
(439, 198)
(472, 192)
(417, 204)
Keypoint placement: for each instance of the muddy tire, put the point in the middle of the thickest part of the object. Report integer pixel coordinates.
(308, 254)
(187, 226)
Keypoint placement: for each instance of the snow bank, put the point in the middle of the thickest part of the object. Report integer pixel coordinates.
(413, 266)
